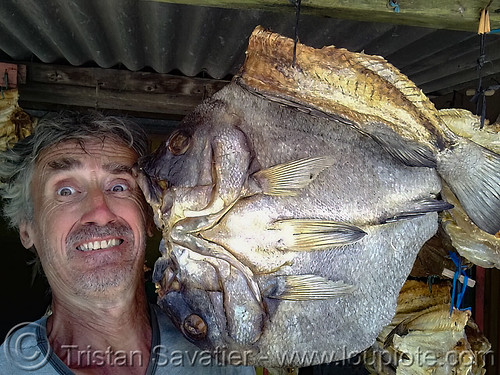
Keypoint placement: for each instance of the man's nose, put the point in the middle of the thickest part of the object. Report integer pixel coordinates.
(97, 209)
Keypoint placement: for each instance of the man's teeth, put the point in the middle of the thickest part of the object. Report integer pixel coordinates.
(96, 245)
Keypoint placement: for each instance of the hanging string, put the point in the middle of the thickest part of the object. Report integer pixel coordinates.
(458, 289)
(296, 37)
(480, 97)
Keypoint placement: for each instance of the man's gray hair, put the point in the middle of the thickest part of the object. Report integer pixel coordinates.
(17, 165)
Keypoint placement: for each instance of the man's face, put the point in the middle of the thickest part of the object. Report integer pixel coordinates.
(89, 218)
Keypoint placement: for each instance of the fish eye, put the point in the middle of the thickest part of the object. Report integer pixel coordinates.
(66, 191)
(195, 327)
(179, 142)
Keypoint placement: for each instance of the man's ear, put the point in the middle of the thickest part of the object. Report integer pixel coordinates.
(25, 233)
(150, 227)
(150, 223)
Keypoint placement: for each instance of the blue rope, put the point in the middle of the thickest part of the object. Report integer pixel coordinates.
(458, 290)
(461, 295)
(394, 5)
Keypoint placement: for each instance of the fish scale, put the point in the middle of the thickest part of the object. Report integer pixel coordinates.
(243, 232)
(317, 196)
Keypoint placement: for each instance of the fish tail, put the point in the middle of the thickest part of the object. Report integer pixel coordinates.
(473, 174)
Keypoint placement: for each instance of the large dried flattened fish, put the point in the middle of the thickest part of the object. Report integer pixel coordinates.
(288, 227)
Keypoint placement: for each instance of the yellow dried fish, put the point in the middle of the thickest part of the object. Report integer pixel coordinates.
(416, 296)
(15, 124)
(474, 244)
(465, 124)
(7, 128)
(424, 339)
(480, 346)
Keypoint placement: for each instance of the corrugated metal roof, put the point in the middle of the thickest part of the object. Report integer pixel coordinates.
(163, 37)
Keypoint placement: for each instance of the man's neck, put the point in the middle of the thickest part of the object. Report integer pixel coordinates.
(111, 337)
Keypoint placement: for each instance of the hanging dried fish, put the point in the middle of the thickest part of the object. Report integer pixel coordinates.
(474, 244)
(15, 124)
(424, 339)
(294, 201)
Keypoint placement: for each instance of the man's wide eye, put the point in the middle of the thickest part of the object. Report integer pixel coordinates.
(65, 191)
(119, 187)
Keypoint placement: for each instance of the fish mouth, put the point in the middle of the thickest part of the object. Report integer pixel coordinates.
(165, 277)
(172, 300)
(193, 326)
(152, 188)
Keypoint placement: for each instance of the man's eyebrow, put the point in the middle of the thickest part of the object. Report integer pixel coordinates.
(64, 164)
(71, 163)
(117, 168)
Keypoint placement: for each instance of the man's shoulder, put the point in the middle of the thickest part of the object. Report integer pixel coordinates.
(20, 353)
(174, 354)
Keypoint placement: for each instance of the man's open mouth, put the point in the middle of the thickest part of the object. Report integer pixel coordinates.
(98, 245)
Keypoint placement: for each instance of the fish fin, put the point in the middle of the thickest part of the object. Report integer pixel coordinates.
(420, 208)
(311, 287)
(313, 235)
(159, 269)
(411, 154)
(400, 329)
(473, 174)
(404, 327)
(288, 178)
(216, 206)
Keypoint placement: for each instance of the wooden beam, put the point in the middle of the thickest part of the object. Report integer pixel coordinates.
(444, 14)
(142, 94)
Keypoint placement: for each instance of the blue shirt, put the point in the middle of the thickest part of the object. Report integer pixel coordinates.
(26, 351)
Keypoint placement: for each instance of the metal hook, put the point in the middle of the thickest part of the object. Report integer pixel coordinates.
(296, 38)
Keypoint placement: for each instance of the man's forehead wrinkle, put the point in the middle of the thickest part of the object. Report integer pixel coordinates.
(64, 163)
(72, 155)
